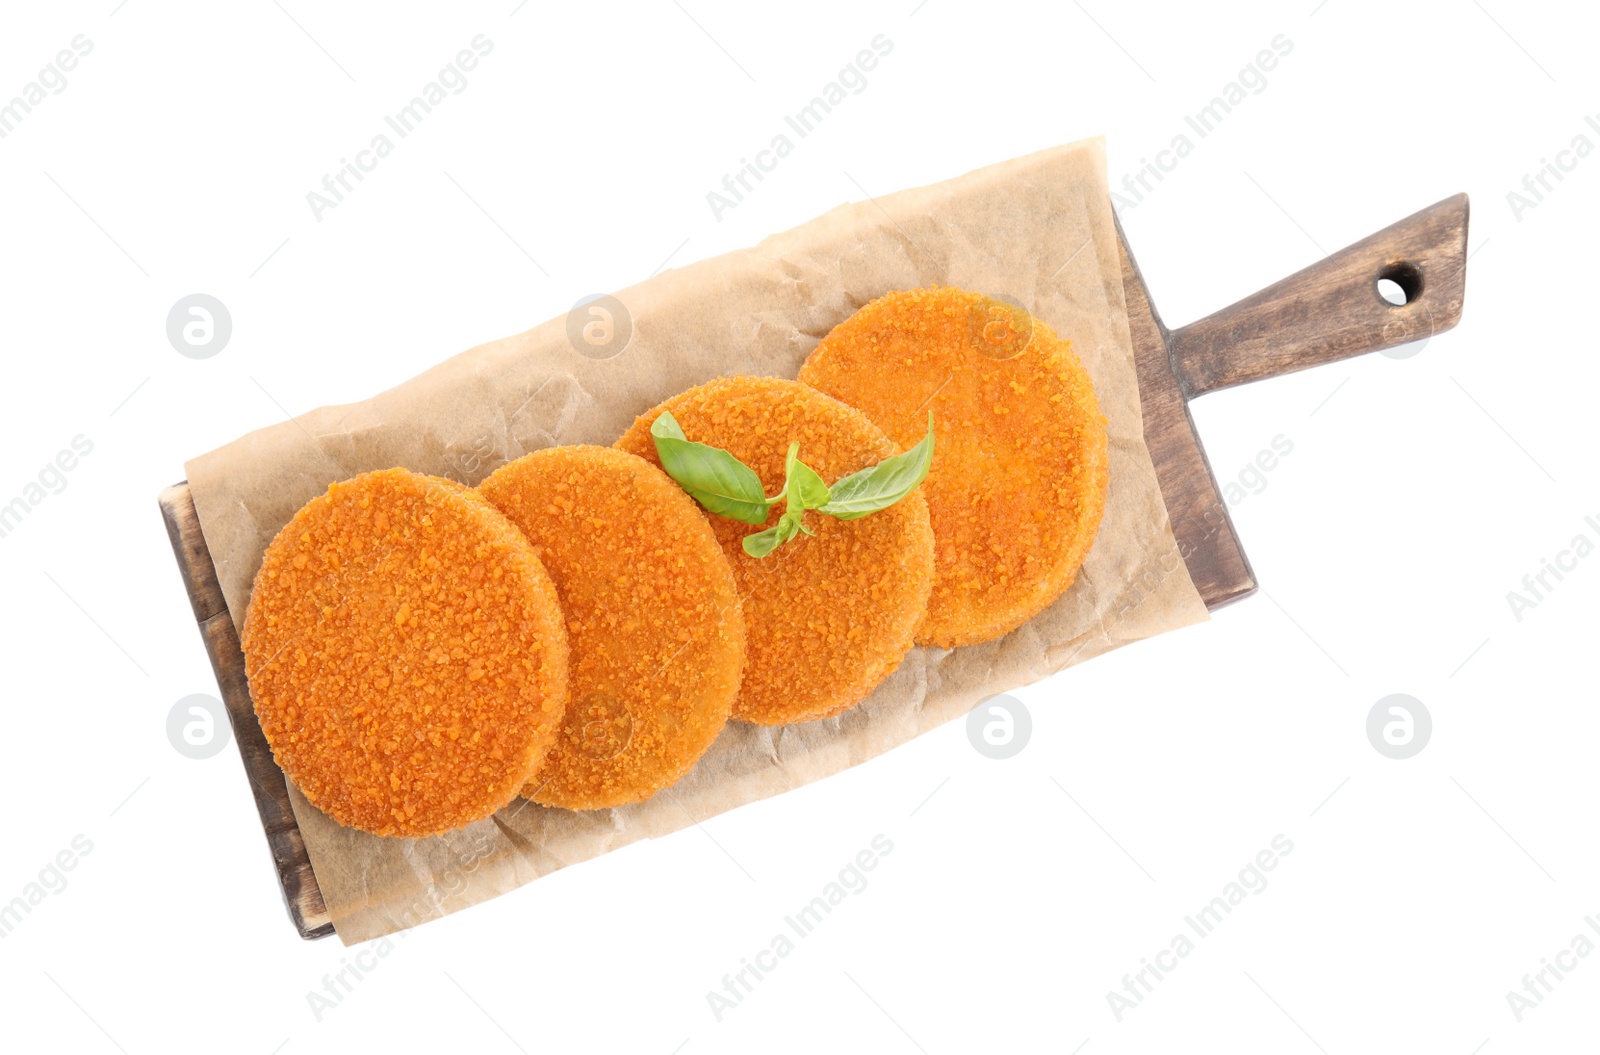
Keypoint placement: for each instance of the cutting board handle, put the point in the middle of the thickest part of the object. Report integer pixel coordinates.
(1333, 310)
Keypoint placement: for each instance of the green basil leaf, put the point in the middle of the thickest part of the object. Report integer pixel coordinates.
(666, 427)
(882, 485)
(795, 504)
(713, 477)
(802, 487)
(804, 481)
(761, 543)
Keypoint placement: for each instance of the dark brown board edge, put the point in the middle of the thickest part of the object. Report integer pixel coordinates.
(301, 894)
(1201, 525)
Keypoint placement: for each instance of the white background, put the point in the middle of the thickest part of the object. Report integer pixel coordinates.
(1418, 493)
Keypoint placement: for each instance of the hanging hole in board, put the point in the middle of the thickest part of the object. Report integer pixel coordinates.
(1399, 284)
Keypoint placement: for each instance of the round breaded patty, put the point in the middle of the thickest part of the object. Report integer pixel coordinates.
(653, 620)
(406, 654)
(1020, 465)
(829, 616)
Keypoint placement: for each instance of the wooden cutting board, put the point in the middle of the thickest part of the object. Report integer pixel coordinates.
(1331, 310)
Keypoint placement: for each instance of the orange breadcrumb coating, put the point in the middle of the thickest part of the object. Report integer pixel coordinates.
(1020, 464)
(827, 617)
(406, 654)
(653, 620)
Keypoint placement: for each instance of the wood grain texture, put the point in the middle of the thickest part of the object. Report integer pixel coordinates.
(1200, 522)
(1326, 312)
(1329, 311)
(289, 858)
(1332, 310)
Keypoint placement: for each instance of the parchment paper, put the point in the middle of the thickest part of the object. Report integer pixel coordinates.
(1037, 228)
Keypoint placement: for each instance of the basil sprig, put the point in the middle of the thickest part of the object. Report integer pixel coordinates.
(802, 489)
(726, 486)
